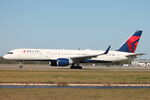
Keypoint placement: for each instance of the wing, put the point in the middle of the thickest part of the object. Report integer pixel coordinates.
(80, 58)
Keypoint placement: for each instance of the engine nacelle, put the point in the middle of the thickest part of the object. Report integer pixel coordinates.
(63, 62)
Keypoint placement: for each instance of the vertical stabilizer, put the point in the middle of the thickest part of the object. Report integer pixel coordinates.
(131, 44)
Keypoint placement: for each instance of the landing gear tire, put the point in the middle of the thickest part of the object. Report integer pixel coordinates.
(76, 67)
(20, 66)
(79, 67)
(71, 67)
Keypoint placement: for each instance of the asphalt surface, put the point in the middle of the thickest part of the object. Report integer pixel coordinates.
(85, 67)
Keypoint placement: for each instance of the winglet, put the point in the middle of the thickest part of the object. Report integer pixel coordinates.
(107, 50)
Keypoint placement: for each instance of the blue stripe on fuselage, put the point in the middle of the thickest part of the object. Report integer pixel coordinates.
(95, 61)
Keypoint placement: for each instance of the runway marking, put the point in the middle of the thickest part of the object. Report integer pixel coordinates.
(81, 87)
(76, 85)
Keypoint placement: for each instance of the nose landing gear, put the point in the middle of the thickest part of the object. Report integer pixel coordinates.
(20, 64)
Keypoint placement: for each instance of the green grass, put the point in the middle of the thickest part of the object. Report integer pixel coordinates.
(74, 94)
(74, 76)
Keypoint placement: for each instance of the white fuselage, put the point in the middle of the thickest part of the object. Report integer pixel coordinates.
(54, 54)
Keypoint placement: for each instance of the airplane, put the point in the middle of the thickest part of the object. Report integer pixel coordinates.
(61, 57)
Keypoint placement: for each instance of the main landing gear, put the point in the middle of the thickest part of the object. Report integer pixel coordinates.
(75, 66)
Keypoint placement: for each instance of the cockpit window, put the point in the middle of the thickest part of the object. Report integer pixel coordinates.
(10, 53)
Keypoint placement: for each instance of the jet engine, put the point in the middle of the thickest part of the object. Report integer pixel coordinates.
(61, 62)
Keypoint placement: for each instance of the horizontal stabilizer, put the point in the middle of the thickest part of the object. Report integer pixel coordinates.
(135, 55)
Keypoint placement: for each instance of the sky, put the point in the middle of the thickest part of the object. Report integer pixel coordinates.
(73, 24)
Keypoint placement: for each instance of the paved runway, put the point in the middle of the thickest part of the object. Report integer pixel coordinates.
(85, 67)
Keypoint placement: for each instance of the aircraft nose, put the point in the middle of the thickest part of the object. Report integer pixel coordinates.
(5, 57)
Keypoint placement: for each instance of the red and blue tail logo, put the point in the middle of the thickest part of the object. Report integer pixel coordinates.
(131, 44)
